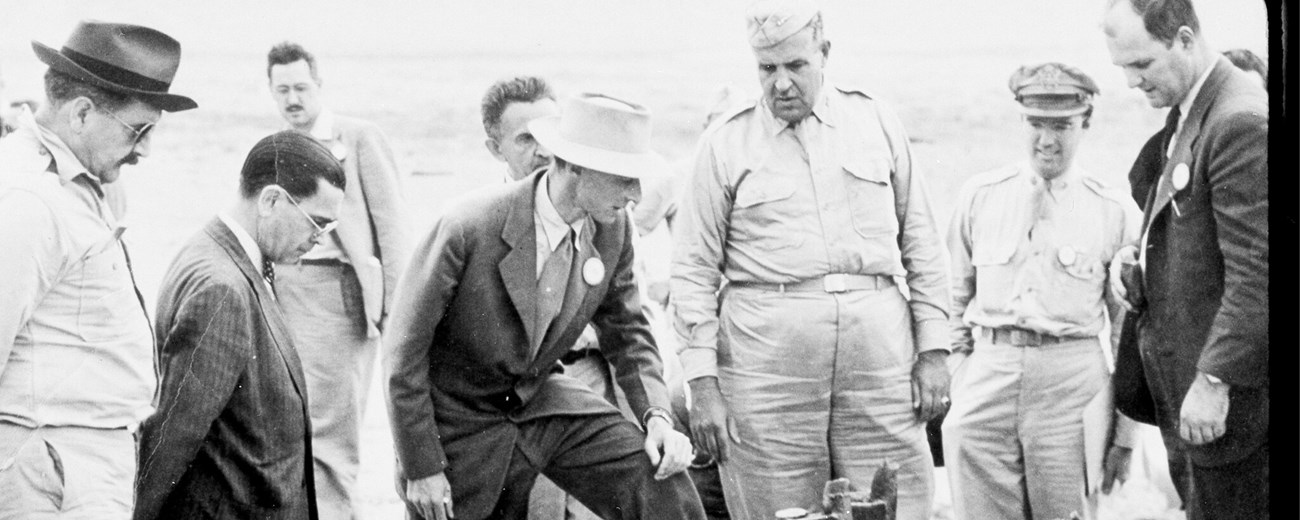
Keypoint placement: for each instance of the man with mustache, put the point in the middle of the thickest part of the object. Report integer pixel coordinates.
(810, 364)
(1030, 243)
(232, 436)
(76, 351)
(338, 296)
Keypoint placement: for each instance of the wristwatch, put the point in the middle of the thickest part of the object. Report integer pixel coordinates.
(655, 411)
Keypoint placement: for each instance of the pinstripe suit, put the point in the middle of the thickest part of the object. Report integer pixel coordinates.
(232, 435)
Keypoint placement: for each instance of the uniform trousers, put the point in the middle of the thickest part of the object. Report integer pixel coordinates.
(1013, 439)
(324, 309)
(66, 472)
(601, 460)
(819, 385)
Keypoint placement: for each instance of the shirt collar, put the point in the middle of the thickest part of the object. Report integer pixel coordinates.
(821, 111)
(66, 164)
(323, 128)
(1185, 106)
(552, 223)
(245, 240)
(1061, 182)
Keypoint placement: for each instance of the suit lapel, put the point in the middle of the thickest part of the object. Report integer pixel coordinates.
(265, 302)
(1187, 138)
(519, 267)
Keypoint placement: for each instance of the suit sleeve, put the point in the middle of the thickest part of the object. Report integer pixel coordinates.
(204, 354)
(1237, 347)
(625, 337)
(381, 185)
(426, 289)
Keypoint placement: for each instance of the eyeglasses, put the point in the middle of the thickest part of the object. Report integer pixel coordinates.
(139, 133)
(320, 230)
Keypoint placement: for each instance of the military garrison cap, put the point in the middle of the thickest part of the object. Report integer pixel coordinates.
(772, 21)
(1052, 90)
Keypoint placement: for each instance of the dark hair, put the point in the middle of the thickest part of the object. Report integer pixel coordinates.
(522, 89)
(1248, 61)
(285, 53)
(61, 88)
(292, 160)
(1162, 18)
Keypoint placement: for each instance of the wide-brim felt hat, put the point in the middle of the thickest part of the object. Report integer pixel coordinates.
(601, 133)
(124, 58)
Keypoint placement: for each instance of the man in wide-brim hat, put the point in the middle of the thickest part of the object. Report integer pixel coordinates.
(491, 301)
(76, 351)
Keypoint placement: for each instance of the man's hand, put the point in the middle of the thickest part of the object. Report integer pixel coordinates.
(1115, 466)
(710, 424)
(930, 384)
(1119, 293)
(431, 497)
(1204, 413)
(676, 448)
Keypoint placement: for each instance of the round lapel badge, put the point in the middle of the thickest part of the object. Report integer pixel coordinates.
(1067, 256)
(1181, 176)
(339, 150)
(593, 271)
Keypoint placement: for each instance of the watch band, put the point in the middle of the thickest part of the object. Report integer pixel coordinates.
(655, 411)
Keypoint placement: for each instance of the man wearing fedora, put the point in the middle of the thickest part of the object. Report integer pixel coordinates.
(337, 297)
(507, 108)
(810, 364)
(76, 351)
(478, 412)
(1030, 243)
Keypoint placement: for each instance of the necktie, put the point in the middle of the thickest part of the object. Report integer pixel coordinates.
(1043, 203)
(1171, 128)
(268, 271)
(550, 288)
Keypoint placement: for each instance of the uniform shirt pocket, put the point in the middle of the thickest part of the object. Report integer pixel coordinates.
(105, 295)
(1073, 291)
(868, 182)
(766, 213)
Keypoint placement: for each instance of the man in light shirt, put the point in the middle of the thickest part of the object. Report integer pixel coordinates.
(810, 364)
(77, 370)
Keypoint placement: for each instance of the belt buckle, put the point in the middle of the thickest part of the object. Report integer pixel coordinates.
(835, 282)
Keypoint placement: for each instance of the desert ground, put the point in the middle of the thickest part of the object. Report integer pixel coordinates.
(420, 69)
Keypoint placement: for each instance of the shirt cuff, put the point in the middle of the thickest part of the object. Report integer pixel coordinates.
(699, 362)
(1126, 431)
(932, 335)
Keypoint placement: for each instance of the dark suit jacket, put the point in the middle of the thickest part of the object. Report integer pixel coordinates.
(460, 336)
(1207, 265)
(232, 435)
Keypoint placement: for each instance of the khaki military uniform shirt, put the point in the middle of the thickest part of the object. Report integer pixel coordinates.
(1033, 254)
(773, 203)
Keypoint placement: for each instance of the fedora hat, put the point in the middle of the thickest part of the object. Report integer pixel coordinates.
(602, 133)
(125, 58)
